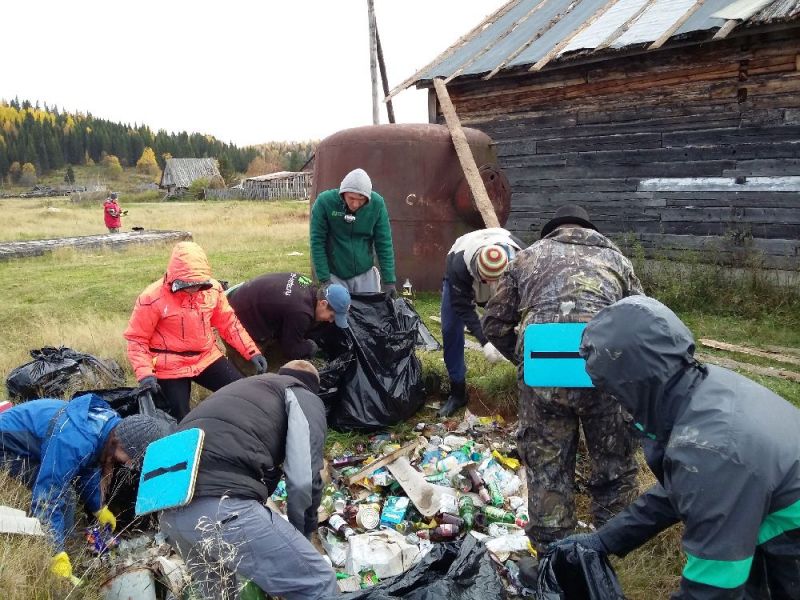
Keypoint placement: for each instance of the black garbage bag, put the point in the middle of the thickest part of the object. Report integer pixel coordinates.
(452, 570)
(377, 381)
(573, 572)
(132, 401)
(54, 372)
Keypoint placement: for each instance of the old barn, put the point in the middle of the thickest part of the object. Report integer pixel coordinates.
(676, 123)
(180, 173)
(283, 184)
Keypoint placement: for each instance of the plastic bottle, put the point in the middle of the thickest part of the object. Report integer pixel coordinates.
(477, 485)
(443, 532)
(340, 526)
(498, 515)
(495, 495)
(466, 510)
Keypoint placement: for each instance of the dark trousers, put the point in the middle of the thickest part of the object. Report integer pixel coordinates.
(452, 338)
(547, 441)
(178, 391)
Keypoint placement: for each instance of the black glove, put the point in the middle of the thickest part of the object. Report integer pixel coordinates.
(260, 363)
(314, 351)
(591, 541)
(150, 384)
(389, 288)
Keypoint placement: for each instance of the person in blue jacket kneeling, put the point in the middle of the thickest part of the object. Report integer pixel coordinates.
(49, 443)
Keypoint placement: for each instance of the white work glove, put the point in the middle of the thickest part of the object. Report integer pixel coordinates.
(491, 353)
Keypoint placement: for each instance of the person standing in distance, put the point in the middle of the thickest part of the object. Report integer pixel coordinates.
(112, 213)
(349, 226)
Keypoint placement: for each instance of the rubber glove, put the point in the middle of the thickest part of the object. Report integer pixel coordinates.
(491, 353)
(260, 363)
(389, 288)
(60, 565)
(150, 384)
(592, 541)
(106, 517)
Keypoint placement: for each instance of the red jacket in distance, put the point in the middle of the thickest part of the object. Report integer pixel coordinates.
(171, 335)
(111, 214)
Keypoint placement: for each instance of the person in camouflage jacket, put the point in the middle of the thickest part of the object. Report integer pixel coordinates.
(568, 276)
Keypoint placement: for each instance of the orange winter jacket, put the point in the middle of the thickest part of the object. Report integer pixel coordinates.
(171, 334)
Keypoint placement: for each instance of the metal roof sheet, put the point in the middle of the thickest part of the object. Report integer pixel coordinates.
(528, 32)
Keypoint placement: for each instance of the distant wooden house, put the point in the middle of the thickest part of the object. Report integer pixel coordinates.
(283, 184)
(675, 123)
(180, 173)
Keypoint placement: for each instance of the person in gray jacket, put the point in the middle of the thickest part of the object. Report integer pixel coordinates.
(256, 429)
(725, 450)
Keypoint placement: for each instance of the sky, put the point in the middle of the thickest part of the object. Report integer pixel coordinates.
(244, 71)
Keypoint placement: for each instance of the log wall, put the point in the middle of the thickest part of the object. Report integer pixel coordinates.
(636, 141)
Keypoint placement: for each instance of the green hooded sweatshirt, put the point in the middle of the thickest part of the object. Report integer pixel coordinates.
(346, 249)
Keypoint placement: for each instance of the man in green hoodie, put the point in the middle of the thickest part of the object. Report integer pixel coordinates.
(348, 226)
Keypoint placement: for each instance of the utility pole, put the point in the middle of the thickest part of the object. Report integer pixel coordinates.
(373, 59)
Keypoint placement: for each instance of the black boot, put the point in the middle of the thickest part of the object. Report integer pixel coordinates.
(457, 398)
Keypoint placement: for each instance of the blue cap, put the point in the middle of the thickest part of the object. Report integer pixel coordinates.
(339, 300)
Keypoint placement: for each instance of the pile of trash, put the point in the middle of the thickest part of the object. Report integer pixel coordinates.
(391, 501)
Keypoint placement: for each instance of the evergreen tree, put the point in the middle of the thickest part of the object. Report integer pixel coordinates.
(69, 176)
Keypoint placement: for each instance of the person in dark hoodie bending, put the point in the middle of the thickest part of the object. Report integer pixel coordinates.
(725, 450)
(256, 429)
(283, 312)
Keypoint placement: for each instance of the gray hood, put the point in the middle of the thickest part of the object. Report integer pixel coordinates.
(639, 350)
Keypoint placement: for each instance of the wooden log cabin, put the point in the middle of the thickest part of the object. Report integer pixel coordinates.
(675, 123)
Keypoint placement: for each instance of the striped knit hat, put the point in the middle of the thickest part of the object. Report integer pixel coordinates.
(492, 262)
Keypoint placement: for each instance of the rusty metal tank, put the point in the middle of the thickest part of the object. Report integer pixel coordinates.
(415, 168)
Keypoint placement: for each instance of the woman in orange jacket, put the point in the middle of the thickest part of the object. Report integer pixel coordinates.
(171, 339)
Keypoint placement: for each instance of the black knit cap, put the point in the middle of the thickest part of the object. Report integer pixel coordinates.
(569, 213)
(137, 431)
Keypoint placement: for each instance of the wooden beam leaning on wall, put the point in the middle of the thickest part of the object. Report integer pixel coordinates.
(465, 157)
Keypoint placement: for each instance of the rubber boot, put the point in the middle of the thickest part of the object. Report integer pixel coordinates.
(457, 398)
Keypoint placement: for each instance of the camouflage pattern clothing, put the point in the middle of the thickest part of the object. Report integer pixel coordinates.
(566, 277)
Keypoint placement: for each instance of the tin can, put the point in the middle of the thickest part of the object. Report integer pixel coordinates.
(368, 516)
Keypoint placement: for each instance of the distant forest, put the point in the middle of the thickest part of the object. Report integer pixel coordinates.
(49, 139)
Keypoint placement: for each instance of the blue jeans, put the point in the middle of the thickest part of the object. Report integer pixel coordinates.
(453, 338)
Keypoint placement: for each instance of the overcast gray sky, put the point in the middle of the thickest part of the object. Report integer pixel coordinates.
(246, 71)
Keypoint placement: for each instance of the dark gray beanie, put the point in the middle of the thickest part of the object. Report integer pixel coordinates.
(137, 431)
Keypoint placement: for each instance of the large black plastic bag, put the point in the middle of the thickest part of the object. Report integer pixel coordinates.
(54, 372)
(451, 570)
(377, 381)
(573, 572)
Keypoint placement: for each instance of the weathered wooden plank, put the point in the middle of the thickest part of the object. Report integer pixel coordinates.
(708, 214)
(732, 135)
(600, 142)
(717, 345)
(748, 368)
(710, 168)
(9, 250)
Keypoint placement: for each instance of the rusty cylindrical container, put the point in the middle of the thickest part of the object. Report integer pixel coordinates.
(415, 168)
